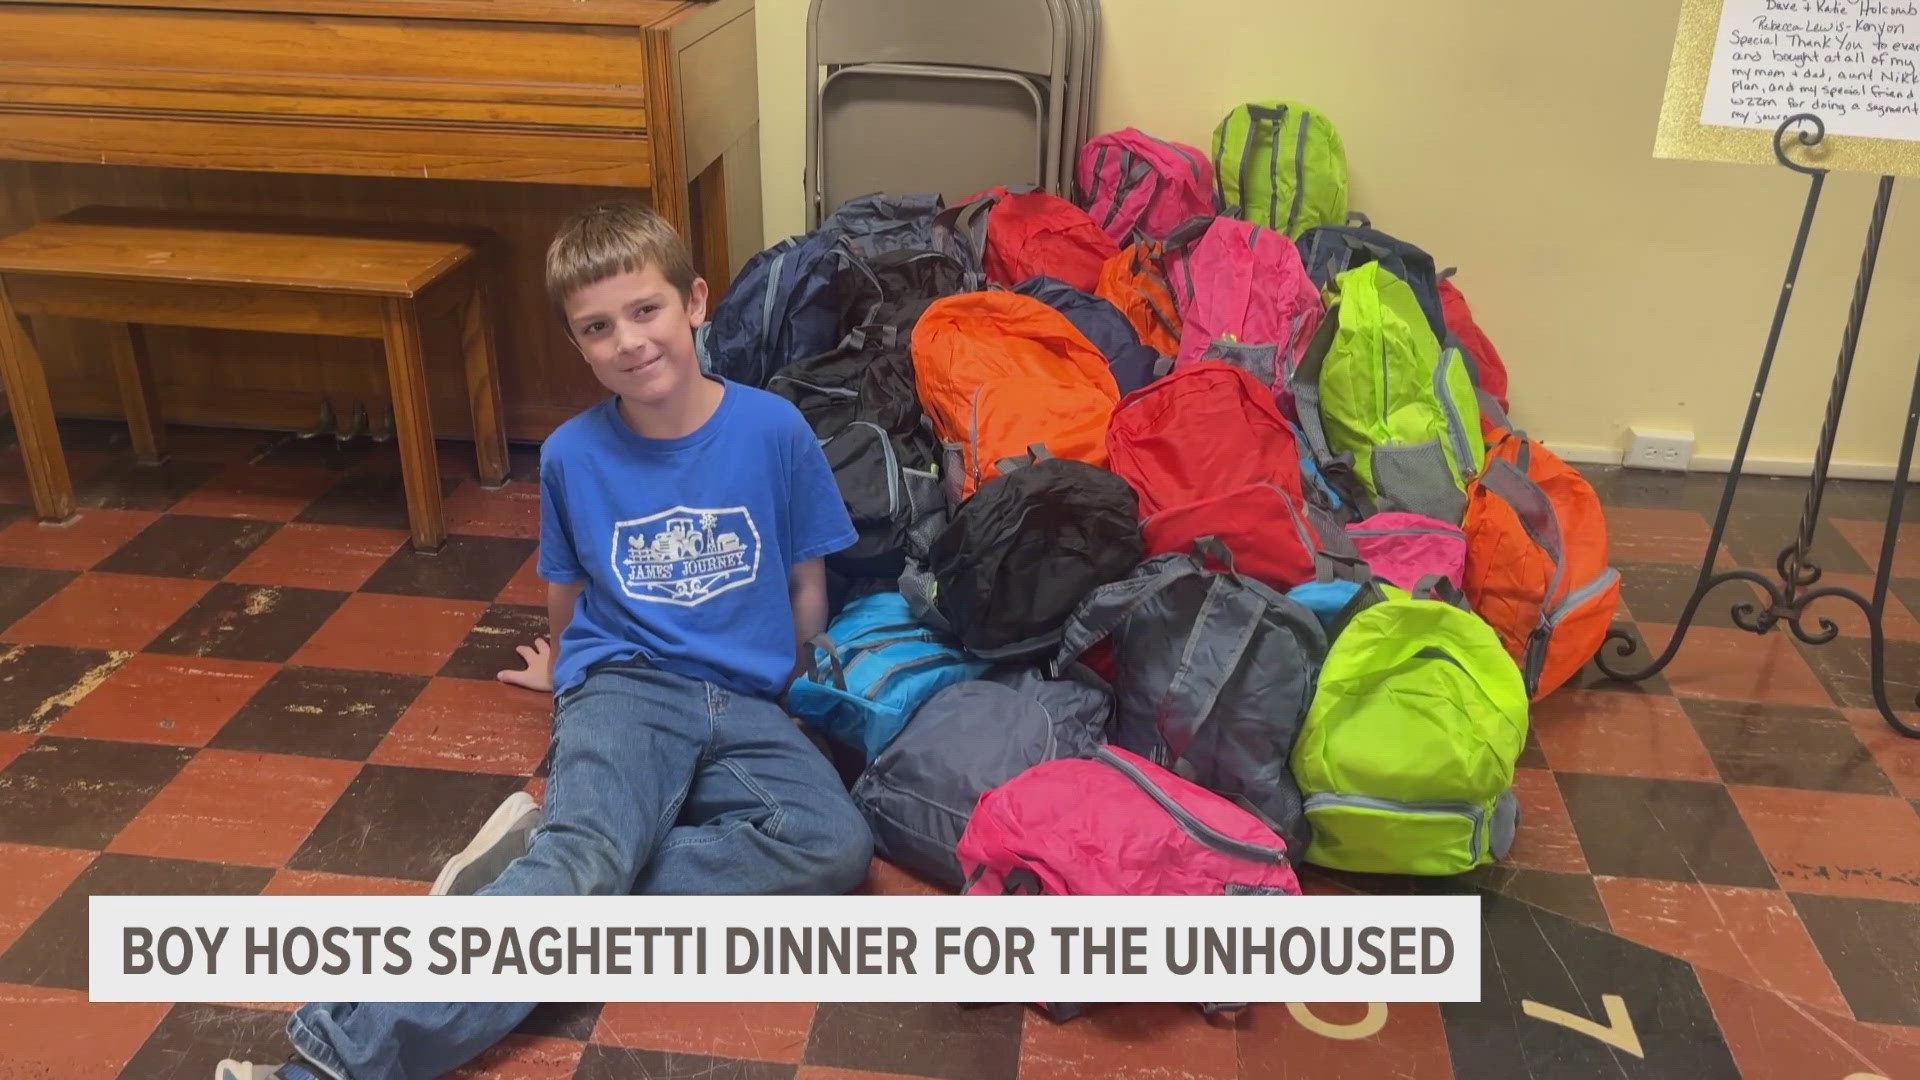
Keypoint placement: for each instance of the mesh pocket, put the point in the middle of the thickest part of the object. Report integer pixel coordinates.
(1417, 479)
(1260, 361)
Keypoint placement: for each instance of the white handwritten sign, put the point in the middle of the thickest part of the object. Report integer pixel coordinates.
(1855, 63)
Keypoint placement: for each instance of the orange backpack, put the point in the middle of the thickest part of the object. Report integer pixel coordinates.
(1001, 372)
(1537, 567)
(1135, 281)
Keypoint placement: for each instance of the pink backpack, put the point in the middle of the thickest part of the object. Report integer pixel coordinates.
(1405, 548)
(1135, 185)
(1115, 824)
(1247, 301)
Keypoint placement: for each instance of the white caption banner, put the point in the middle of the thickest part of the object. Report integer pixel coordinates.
(755, 949)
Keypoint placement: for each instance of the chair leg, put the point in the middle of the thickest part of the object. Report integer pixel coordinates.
(413, 425)
(26, 383)
(138, 394)
(483, 388)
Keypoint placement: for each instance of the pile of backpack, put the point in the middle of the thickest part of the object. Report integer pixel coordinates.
(1194, 541)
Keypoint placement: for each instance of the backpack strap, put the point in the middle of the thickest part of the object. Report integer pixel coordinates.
(1439, 587)
(1445, 274)
(1036, 453)
(1090, 625)
(1336, 469)
(835, 667)
(1229, 618)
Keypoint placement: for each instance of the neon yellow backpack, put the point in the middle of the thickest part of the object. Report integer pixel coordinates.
(1406, 758)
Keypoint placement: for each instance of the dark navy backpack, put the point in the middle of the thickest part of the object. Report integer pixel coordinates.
(784, 306)
(1133, 364)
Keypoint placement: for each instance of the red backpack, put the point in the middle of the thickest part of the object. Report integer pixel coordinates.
(1136, 186)
(1115, 824)
(1210, 455)
(1248, 301)
(1033, 234)
(1490, 372)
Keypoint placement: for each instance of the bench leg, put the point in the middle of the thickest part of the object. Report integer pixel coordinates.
(483, 388)
(138, 394)
(26, 383)
(413, 425)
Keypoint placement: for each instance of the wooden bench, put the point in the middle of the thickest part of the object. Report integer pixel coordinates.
(249, 273)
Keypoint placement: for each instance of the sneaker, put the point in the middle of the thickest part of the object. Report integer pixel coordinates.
(504, 838)
(294, 1069)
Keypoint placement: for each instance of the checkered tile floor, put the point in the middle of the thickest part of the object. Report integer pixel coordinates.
(231, 675)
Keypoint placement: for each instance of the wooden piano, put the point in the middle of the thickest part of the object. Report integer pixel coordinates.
(504, 114)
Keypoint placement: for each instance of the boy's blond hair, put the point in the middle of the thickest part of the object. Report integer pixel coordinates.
(613, 238)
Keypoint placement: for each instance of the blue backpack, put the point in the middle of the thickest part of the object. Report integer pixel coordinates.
(1133, 364)
(783, 307)
(872, 670)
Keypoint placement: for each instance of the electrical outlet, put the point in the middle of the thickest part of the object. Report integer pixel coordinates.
(1668, 450)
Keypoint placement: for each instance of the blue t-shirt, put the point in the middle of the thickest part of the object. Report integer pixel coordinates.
(686, 545)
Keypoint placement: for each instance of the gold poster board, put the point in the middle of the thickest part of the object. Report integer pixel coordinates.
(1798, 42)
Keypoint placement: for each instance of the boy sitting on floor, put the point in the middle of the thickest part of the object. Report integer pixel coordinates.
(684, 520)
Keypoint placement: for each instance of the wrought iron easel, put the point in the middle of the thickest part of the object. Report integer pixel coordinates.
(1788, 600)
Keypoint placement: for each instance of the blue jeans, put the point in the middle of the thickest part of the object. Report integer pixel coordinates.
(659, 784)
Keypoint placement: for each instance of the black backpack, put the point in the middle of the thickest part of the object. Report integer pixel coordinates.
(1022, 552)
(861, 401)
(1330, 250)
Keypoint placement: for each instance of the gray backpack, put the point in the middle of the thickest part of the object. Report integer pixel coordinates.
(970, 737)
(1215, 672)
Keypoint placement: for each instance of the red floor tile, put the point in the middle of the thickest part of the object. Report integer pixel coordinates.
(1597, 731)
(886, 879)
(179, 701)
(338, 557)
(1899, 623)
(405, 635)
(526, 586)
(77, 545)
(1897, 755)
(1130, 1042)
(1775, 1037)
(1673, 537)
(824, 1072)
(467, 724)
(1313, 1042)
(108, 611)
(523, 1057)
(762, 1032)
(1733, 665)
(59, 1033)
(319, 883)
(1752, 934)
(11, 743)
(1546, 839)
(238, 808)
(268, 492)
(1834, 844)
(513, 510)
(35, 876)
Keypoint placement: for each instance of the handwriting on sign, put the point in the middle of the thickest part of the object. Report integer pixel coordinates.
(1854, 63)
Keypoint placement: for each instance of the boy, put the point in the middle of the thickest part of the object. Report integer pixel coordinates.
(684, 520)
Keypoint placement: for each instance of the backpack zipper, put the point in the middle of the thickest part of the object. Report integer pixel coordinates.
(893, 465)
(1471, 812)
(1537, 641)
(1466, 465)
(879, 686)
(830, 391)
(1377, 533)
(1194, 827)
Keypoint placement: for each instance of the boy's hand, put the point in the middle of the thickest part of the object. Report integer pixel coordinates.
(539, 671)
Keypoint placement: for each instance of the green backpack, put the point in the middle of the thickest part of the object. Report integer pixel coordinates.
(1406, 758)
(1280, 164)
(1380, 398)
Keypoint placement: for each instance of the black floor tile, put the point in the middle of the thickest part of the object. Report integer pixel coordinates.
(22, 590)
(53, 950)
(1870, 946)
(1672, 830)
(1658, 593)
(921, 1039)
(321, 712)
(619, 1063)
(40, 682)
(1572, 895)
(371, 499)
(80, 793)
(490, 645)
(1845, 667)
(193, 1038)
(402, 822)
(1785, 746)
(126, 485)
(465, 568)
(1590, 677)
(268, 623)
(1530, 955)
(562, 1020)
(182, 545)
